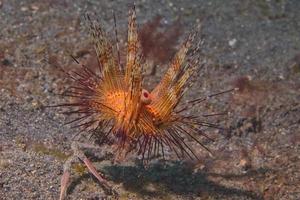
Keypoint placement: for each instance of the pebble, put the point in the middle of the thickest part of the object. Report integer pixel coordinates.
(232, 42)
(23, 8)
(34, 7)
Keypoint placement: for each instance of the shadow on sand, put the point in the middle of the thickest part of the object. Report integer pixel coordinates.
(160, 179)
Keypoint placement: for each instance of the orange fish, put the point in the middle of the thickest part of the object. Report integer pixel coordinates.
(114, 103)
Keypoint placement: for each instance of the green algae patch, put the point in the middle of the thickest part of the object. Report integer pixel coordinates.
(79, 168)
(40, 148)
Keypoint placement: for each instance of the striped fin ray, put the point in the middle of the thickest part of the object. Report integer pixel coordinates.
(133, 72)
(171, 97)
(108, 67)
(169, 91)
(175, 67)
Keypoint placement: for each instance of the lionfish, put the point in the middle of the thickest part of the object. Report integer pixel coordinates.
(114, 103)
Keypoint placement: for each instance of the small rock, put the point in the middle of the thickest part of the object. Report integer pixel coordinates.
(23, 8)
(281, 77)
(34, 7)
(232, 42)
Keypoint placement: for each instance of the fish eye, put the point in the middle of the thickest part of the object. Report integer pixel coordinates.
(145, 97)
(146, 94)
